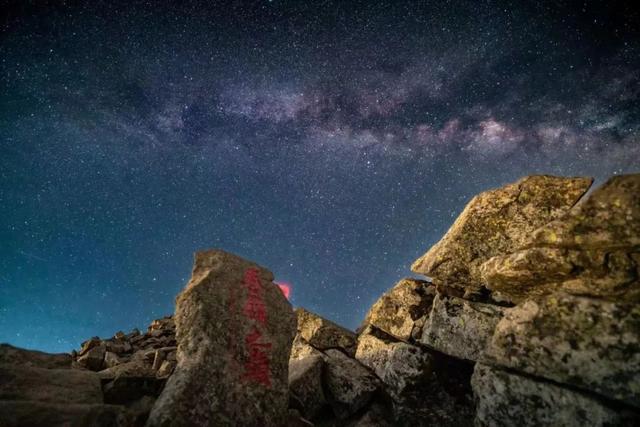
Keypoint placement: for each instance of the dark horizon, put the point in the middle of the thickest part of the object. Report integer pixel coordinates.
(332, 143)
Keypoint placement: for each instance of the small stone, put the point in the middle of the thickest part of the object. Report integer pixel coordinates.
(166, 369)
(89, 344)
(93, 359)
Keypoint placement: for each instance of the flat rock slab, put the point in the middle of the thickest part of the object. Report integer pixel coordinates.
(64, 386)
(588, 343)
(460, 328)
(497, 222)
(398, 310)
(39, 414)
(37, 359)
(506, 399)
(234, 330)
(323, 334)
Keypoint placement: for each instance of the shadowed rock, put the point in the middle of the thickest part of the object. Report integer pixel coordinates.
(324, 334)
(497, 222)
(234, 329)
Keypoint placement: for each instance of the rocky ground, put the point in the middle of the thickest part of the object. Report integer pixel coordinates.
(530, 316)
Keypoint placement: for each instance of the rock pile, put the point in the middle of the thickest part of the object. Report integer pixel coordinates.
(531, 317)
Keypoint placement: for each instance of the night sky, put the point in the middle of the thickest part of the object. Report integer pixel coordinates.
(332, 142)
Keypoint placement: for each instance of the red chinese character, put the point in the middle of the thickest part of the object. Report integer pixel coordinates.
(257, 366)
(255, 309)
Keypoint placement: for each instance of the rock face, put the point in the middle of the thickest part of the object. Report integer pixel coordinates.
(460, 328)
(351, 385)
(592, 250)
(506, 399)
(403, 309)
(305, 383)
(399, 365)
(588, 343)
(324, 334)
(234, 329)
(497, 222)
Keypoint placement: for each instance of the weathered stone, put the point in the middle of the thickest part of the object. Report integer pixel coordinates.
(305, 384)
(398, 310)
(497, 222)
(589, 343)
(349, 384)
(119, 336)
(111, 360)
(93, 359)
(124, 390)
(377, 415)
(19, 382)
(301, 349)
(166, 369)
(324, 334)
(39, 414)
(594, 249)
(232, 356)
(133, 368)
(399, 365)
(506, 399)
(37, 359)
(89, 344)
(460, 328)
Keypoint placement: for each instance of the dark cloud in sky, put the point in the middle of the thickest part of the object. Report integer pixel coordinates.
(333, 142)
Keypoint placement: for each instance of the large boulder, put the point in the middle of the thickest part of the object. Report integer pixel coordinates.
(460, 328)
(323, 334)
(350, 386)
(594, 249)
(507, 399)
(497, 222)
(588, 343)
(399, 365)
(234, 329)
(37, 359)
(402, 309)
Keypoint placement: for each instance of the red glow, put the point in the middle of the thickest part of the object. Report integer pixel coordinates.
(285, 288)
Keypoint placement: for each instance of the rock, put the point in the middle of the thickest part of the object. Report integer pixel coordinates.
(305, 384)
(506, 399)
(111, 359)
(399, 365)
(398, 310)
(324, 334)
(37, 359)
(124, 390)
(497, 222)
(234, 329)
(377, 415)
(588, 343)
(166, 369)
(296, 420)
(40, 414)
(301, 349)
(460, 328)
(594, 249)
(93, 359)
(133, 368)
(21, 382)
(89, 344)
(349, 384)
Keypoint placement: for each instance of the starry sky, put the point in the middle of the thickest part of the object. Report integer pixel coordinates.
(333, 142)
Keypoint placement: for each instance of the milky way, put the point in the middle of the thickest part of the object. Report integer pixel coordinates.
(332, 142)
